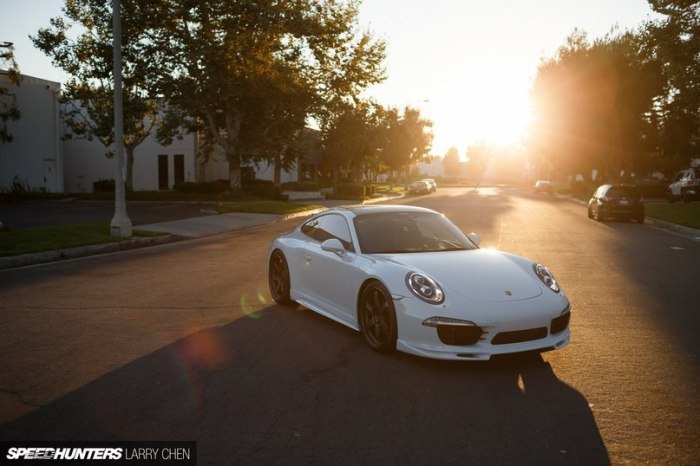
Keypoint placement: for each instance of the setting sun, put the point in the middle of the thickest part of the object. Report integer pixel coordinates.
(469, 66)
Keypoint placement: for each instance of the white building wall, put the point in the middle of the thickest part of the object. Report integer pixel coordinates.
(35, 153)
(86, 162)
(216, 168)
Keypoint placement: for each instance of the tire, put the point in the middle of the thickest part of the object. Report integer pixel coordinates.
(590, 212)
(377, 318)
(278, 278)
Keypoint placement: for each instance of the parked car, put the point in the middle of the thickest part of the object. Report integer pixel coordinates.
(685, 185)
(543, 186)
(432, 183)
(419, 187)
(623, 201)
(410, 280)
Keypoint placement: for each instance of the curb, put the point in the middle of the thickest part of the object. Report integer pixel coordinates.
(688, 232)
(84, 251)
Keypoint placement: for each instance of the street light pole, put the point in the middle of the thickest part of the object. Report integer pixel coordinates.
(121, 225)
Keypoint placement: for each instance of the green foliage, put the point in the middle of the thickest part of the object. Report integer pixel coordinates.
(406, 138)
(9, 110)
(451, 162)
(209, 187)
(627, 102)
(673, 42)
(350, 191)
(301, 186)
(681, 214)
(595, 104)
(250, 73)
(30, 240)
(88, 96)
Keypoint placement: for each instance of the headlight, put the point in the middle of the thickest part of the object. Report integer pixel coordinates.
(425, 288)
(546, 276)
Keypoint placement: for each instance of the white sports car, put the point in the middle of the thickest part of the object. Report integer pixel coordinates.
(409, 279)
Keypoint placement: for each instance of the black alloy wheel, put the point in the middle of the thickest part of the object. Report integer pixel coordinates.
(378, 318)
(278, 278)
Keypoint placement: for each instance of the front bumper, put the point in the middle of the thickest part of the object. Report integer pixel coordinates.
(505, 328)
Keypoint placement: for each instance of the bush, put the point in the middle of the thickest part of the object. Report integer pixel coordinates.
(261, 188)
(103, 186)
(301, 186)
(653, 191)
(349, 191)
(208, 187)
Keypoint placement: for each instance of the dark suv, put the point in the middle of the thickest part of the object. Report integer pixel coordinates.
(617, 201)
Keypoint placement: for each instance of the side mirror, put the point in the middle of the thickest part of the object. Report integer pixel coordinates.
(333, 245)
(474, 237)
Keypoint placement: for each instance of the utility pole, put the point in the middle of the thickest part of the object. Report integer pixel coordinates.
(121, 225)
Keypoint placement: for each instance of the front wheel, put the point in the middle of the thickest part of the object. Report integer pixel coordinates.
(378, 318)
(278, 279)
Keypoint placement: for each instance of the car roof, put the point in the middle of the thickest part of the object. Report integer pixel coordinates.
(376, 209)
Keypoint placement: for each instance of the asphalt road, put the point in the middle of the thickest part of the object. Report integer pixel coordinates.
(182, 342)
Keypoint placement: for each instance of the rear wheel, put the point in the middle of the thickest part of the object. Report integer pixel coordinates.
(378, 318)
(278, 278)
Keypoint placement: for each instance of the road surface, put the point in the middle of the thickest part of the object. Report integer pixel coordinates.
(182, 342)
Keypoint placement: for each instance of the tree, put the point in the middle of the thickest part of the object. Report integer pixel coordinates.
(595, 105)
(407, 139)
(87, 97)
(451, 163)
(352, 139)
(217, 59)
(9, 110)
(674, 41)
(479, 158)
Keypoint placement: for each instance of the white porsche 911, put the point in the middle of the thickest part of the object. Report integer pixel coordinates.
(407, 278)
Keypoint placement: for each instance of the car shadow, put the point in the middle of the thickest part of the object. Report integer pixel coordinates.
(288, 386)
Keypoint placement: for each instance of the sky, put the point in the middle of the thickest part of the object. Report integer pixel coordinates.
(468, 65)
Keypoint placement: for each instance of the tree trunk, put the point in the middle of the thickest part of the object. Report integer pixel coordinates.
(277, 181)
(234, 174)
(129, 168)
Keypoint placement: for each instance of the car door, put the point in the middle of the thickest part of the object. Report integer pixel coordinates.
(330, 278)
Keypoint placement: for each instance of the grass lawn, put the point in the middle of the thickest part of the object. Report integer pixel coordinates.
(682, 214)
(29, 240)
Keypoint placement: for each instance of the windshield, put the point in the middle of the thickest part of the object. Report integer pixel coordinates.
(407, 232)
(617, 192)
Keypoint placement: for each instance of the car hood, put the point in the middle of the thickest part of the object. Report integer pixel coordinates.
(481, 274)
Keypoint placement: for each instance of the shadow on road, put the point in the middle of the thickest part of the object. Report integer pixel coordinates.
(288, 386)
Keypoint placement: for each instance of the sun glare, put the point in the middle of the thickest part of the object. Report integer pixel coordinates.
(494, 112)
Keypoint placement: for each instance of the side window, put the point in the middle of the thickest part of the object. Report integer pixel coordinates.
(327, 227)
